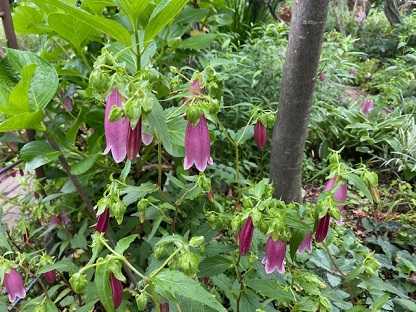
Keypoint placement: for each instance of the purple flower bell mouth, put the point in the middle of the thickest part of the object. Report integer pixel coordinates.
(367, 106)
(117, 291)
(102, 221)
(197, 145)
(260, 135)
(306, 244)
(322, 228)
(14, 284)
(115, 132)
(274, 260)
(245, 236)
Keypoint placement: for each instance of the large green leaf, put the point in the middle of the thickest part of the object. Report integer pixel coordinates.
(124, 243)
(173, 284)
(197, 42)
(166, 11)
(64, 265)
(95, 22)
(44, 83)
(29, 20)
(71, 29)
(23, 121)
(102, 283)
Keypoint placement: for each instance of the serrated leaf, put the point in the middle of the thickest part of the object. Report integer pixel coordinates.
(124, 243)
(134, 193)
(28, 20)
(212, 266)
(102, 283)
(170, 284)
(410, 305)
(162, 15)
(270, 289)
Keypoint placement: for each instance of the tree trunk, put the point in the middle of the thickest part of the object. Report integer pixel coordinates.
(290, 131)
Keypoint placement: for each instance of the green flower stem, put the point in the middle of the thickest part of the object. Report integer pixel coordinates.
(122, 258)
(157, 271)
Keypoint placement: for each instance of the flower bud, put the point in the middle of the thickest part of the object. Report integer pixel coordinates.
(102, 221)
(117, 290)
(245, 236)
(196, 241)
(50, 277)
(141, 301)
(78, 282)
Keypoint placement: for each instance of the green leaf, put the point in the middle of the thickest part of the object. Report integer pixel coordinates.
(133, 9)
(102, 283)
(410, 305)
(64, 265)
(134, 193)
(96, 23)
(72, 29)
(297, 238)
(37, 154)
(212, 266)
(165, 13)
(44, 83)
(84, 165)
(271, 289)
(124, 243)
(23, 121)
(379, 303)
(96, 6)
(198, 42)
(357, 182)
(170, 284)
(28, 20)
(19, 95)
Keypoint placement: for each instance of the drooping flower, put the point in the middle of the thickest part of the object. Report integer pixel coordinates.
(245, 236)
(340, 194)
(306, 244)
(329, 185)
(260, 135)
(275, 256)
(322, 228)
(14, 284)
(115, 132)
(117, 290)
(197, 145)
(367, 106)
(102, 221)
(50, 277)
(134, 140)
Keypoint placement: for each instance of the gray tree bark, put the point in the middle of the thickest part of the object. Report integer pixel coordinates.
(290, 131)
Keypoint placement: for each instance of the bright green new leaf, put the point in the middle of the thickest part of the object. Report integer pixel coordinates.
(23, 121)
(19, 95)
(124, 243)
(166, 12)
